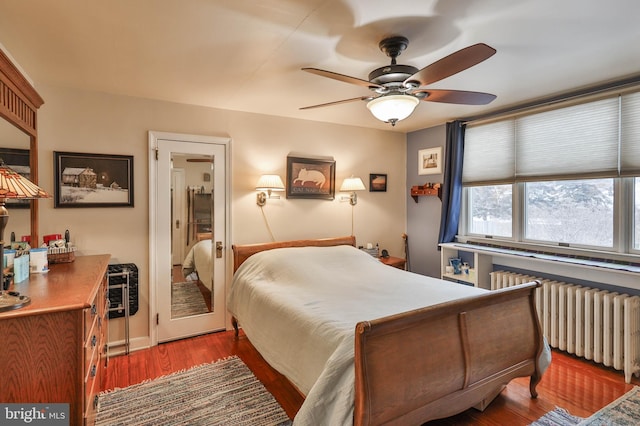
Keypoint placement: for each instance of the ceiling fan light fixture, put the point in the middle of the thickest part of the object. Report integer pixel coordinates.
(393, 108)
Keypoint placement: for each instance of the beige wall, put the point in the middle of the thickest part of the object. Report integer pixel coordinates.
(90, 122)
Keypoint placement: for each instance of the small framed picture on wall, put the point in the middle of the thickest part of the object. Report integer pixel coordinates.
(377, 182)
(430, 161)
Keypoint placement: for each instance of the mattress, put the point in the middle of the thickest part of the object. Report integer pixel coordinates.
(299, 308)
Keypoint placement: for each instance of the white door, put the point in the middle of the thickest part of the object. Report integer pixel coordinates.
(193, 304)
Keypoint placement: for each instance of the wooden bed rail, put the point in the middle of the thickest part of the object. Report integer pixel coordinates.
(437, 361)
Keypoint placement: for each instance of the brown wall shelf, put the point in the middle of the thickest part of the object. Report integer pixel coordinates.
(428, 189)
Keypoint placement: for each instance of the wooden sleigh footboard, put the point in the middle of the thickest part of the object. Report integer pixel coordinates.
(438, 361)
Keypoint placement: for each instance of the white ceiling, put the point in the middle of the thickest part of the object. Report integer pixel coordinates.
(246, 55)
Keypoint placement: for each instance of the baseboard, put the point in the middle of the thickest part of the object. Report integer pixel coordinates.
(119, 348)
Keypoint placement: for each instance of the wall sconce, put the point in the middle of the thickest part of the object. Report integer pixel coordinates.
(268, 183)
(352, 184)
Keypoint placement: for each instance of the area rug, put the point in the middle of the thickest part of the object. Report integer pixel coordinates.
(624, 411)
(186, 300)
(221, 393)
(557, 417)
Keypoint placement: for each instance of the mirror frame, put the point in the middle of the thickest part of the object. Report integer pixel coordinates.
(19, 103)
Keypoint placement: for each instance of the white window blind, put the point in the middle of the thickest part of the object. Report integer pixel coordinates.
(630, 135)
(489, 153)
(580, 140)
(594, 139)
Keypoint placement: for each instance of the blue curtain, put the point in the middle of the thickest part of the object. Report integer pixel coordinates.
(452, 185)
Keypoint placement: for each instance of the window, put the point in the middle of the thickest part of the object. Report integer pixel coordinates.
(578, 212)
(490, 210)
(565, 176)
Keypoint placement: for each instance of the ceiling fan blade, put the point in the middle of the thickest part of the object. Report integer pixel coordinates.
(456, 97)
(452, 64)
(344, 101)
(341, 77)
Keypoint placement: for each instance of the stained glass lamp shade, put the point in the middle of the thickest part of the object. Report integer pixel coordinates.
(15, 186)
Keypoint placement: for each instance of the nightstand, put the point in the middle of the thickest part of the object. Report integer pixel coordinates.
(396, 262)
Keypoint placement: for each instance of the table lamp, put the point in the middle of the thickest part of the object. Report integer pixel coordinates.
(15, 186)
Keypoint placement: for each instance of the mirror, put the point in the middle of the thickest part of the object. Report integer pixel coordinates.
(191, 234)
(14, 150)
(19, 105)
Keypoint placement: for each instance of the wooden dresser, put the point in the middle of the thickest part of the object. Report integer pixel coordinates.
(54, 349)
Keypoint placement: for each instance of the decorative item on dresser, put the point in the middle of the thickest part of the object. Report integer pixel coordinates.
(54, 349)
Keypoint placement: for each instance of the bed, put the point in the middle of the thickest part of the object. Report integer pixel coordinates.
(370, 344)
(199, 261)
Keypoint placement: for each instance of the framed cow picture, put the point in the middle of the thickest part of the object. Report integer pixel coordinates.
(311, 178)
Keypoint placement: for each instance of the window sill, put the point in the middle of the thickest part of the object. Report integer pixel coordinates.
(575, 260)
(562, 253)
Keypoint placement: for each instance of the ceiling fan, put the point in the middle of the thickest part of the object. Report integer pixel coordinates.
(398, 87)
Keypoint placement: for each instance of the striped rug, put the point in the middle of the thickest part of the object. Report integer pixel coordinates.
(186, 300)
(624, 411)
(221, 393)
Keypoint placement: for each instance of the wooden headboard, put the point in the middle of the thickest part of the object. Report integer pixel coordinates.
(243, 252)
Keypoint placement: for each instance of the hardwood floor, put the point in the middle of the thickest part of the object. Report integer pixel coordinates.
(579, 386)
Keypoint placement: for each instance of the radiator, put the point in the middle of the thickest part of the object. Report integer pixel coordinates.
(595, 324)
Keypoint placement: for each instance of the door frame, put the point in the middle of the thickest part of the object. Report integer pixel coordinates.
(154, 136)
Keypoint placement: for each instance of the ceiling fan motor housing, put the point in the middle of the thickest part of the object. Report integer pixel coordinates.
(390, 74)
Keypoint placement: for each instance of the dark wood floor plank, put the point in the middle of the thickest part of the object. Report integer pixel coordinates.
(580, 386)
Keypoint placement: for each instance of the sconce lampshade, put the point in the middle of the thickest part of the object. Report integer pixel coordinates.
(270, 182)
(352, 184)
(393, 108)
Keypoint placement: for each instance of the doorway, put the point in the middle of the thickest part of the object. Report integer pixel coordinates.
(189, 230)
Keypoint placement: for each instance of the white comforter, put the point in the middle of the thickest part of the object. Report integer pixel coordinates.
(299, 308)
(199, 260)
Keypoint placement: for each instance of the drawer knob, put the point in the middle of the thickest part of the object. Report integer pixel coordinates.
(94, 370)
(94, 341)
(94, 309)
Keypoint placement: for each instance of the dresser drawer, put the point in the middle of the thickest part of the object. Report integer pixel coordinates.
(92, 347)
(90, 314)
(91, 391)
